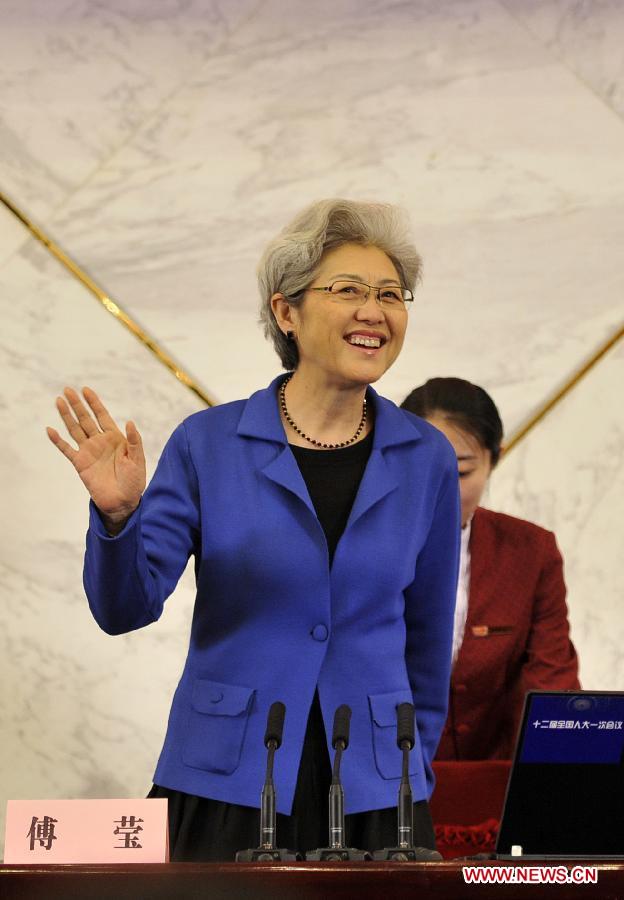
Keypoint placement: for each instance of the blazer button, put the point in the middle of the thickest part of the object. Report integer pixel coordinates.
(463, 729)
(320, 632)
(460, 688)
(215, 696)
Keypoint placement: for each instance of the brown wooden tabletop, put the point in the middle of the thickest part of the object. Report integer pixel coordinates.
(299, 881)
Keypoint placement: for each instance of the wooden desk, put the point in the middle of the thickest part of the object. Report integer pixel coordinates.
(296, 881)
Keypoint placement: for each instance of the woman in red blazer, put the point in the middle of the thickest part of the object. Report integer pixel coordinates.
(511, 630)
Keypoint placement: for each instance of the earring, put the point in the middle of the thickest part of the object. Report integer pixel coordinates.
(290, 335)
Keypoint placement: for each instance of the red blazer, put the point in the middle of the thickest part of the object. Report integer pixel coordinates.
(516, 637)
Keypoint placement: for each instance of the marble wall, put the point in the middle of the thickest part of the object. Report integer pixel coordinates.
(162, 144)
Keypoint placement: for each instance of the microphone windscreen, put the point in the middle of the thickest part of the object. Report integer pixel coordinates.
(342, 720)
(405, 724)
(275, 723)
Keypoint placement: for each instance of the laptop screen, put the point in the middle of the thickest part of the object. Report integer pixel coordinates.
(566, 789)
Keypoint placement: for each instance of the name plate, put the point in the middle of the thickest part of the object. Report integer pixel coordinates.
(87, 831)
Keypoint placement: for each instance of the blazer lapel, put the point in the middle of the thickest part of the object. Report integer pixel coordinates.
(283, 470)
(392, 427)
(468, 656)
(377, 482)
(261, 420)
(480, 555)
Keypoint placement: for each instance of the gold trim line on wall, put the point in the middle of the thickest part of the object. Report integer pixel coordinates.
(558, 396)
(113, 308)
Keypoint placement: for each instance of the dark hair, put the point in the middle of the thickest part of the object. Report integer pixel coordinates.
(466, 404)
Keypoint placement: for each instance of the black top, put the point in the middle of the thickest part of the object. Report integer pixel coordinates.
(333, 478)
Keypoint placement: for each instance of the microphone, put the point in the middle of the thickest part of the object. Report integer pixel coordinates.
(405, 850)
(405, 809)
(272, 741)
(342, 726)
(275, 725)
(267, 850)
(337, 849)
(340, 742)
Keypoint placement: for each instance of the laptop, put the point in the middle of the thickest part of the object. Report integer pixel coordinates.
(565, 794)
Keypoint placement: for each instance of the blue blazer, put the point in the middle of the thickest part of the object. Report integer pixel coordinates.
(272, 620)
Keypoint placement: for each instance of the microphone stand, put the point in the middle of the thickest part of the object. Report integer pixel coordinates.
(267, 851)
(337, 849)
(405, 850)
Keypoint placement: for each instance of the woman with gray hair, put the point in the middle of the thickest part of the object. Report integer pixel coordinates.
(324, 522)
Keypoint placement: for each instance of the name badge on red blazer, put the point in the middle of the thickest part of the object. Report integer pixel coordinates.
(487, 630)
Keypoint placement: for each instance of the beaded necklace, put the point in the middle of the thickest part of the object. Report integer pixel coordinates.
(289, 419)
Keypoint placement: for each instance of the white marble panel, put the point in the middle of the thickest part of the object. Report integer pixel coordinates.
(587, 35)
(459, 114)
(568, 475)
(78, 77)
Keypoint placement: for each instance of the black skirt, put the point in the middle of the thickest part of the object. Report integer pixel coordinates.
(203, 830)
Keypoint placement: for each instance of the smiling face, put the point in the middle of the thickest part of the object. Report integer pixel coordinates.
(339, 343)
(473, 459)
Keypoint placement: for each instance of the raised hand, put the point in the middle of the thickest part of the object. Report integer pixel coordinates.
(110, 464)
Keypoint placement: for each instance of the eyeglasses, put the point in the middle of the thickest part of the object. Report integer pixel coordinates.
(355, 293)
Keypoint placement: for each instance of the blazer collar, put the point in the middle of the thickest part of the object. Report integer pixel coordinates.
(261, 420)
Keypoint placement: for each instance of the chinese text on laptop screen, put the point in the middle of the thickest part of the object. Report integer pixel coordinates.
(574, 729)
(566, 789)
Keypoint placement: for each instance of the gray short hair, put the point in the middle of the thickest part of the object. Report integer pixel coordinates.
(291, 260)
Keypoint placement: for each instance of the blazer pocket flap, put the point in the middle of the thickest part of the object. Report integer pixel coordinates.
(216, 699)
(384, 706)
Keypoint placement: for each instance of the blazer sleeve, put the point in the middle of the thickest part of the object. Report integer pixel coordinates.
(551, 662)
(429, 611)
(127, 578)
